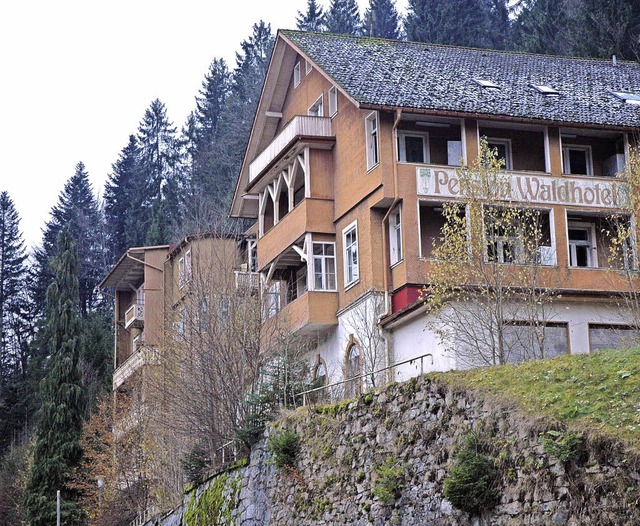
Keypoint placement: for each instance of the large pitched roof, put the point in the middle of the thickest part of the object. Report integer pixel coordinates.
(389, 73)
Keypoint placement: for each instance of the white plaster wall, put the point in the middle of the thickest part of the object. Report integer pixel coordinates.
(410, 338)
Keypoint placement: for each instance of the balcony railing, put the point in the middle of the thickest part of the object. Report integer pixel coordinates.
(247, 280)
(134, 316)
(299, 126)
(142, 356)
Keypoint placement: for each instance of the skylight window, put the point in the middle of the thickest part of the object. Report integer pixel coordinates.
(545, 90)
(486, 83)
(628, 97)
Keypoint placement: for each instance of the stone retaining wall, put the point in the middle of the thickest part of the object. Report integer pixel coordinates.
(416, 427)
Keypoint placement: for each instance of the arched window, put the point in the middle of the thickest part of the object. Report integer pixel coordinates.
(320, 373)
(353, 368)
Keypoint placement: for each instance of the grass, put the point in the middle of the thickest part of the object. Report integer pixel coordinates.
(600, 390)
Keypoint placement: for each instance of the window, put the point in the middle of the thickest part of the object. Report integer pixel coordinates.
(320, 374)
(301, 281)
(252, 255)
(545, 90)
(184, 269)
(612, 337)
(324, 266)
(371, 127)
(350, 242)
(333, 101)
(273, 303)
(395, 236)
(317, 108)
(503, 149)
(353, 369)
(308, 67)
(629, 98)
(577, 160)
(413, 147)
(525, 341)
(486, 84)
(296, 75)
(581, 245)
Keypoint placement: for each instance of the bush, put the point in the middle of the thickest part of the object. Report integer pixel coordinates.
(564, 446)
(472, 482)
(388, 484)
(195, 463)
(285, 447)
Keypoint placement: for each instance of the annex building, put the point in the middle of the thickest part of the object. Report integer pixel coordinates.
(357, 145)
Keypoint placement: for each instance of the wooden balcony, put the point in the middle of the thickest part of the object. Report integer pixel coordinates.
(134, 316)
(299, 127)
(311, 215)
(313, 311)
(140, 357)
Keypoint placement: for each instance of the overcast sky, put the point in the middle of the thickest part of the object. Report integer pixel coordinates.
(76, 77)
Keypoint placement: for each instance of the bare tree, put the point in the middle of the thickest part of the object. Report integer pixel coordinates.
(492, 277)
(621, 230)
(362, 319)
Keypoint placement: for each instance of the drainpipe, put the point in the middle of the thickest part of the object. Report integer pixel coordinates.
(385, 252)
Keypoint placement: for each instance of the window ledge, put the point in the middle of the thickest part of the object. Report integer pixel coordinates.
(351, 285)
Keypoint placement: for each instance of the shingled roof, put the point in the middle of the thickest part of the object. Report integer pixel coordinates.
(412, 75)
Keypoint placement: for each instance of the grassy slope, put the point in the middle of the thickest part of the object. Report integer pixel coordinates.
(600, 390)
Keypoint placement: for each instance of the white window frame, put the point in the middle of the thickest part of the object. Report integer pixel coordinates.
(181, 273)
(566, 165)
(590, 243)
(333, 101)
(187, 265)
(508, 161)
(307, 67)
(372, 132)
(350, 252)
(317, 108)
(321, 259)
(297, 75)
(402, 148)
(395, 236)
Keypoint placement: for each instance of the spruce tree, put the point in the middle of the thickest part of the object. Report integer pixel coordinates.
(313, 19)
(78, 208)
(14, 328)
(208, 186)
(343, 17)
(124, 192)
(381, 20)
(456, 22)
(246, 86)
(59, 423)
(542, 27)
(608, 27)
(159, 162)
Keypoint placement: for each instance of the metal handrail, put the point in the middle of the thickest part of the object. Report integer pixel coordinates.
(305, 394)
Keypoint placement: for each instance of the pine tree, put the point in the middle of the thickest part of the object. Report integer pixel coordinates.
(57, 442)
(343, 17)
(381, 20)
(123, 203)
(77, 207)
(159, 162)
(13, 325)
(313, 19)
(455, 22)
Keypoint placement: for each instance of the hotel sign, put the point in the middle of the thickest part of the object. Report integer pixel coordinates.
(528, 188)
